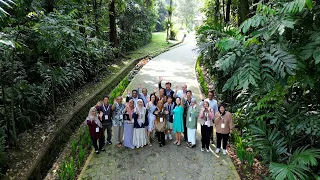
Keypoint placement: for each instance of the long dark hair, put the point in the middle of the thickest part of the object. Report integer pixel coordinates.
(180, 101)
(225, 107)
(155, 99)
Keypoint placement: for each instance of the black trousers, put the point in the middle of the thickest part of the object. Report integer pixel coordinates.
(185, 133)
(95, 145)
(205, 136)
(211, 133)
(108, 128)
(224, 138)
(161, 138)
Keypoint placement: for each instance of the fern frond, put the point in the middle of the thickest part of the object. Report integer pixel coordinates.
(293, 6)
(280, 171)
(306, 157)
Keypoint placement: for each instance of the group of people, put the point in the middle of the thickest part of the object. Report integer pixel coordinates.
(163, 112)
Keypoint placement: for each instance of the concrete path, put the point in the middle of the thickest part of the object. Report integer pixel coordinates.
(170, 161)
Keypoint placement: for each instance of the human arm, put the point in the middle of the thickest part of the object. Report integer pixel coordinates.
(159, 83)
(217, 118)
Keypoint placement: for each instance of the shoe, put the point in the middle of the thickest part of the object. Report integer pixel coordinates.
(102, 149)
(170, 137)
(165, 137)
(208, 150)
(110, 142)
(224, 151)
(211, 141)
(179, 143)
(161, 145)
(217, 150)
(175, 142)
(97, 152)
(191, 146)
(202, 149)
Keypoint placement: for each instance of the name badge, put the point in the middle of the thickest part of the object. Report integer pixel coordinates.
(97, 129)
(189, 118)
(121, 116)
(106, 117)
(222, 126)
(161, 119)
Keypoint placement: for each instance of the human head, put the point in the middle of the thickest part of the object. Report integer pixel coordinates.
(140, 103)
(161, 92)
(206, 104)
(168, 85)
(92, 111)
(178, 101)
(222, 108)
(211, 95)
(160, 104)
(99, 103)
(106, 100)
(153, 98)
(193, 101)
(189, 94)
(119, 99)
(184, 87)
(144, 91)
(134, 93)
(131, 103)
(169, 99)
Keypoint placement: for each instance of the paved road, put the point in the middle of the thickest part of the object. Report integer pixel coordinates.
(170, 161)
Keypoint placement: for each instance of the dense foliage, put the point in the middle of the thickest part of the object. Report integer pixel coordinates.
(49, 48)
(268, 70)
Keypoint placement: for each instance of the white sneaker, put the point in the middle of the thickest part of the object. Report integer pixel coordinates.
(224, 151)
(217, 150)
(170, 136)
(208, 150)
(202, 149)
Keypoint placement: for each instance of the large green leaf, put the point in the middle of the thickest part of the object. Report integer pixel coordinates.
(316, 55)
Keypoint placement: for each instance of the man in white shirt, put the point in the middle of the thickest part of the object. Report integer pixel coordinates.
(213, 105)
(182, 92)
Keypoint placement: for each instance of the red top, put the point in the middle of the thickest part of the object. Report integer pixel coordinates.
(92, 130)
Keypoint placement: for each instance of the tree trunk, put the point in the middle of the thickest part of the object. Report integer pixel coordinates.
(13, 123)
(95, 12)
(217, 13)
(243, 10)
(228, 11)
(113, 25)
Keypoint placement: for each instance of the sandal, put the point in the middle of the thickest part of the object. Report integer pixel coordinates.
(176, 142)
(118, 145)
(179, 143)
(149, 144)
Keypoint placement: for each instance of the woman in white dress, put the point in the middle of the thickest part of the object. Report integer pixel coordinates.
(139, 132)
(151, 106)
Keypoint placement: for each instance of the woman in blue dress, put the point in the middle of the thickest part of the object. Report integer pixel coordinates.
(151, 106)
(178, 127)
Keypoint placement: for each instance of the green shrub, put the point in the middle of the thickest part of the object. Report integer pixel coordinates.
(203, 83)
(67, 170)
(81, 156)
(74, 147)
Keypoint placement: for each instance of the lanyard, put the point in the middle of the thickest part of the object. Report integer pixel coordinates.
(104, 107)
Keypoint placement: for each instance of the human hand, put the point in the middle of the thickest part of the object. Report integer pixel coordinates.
(177, 87)
(114, 101)
(140, 86)
(203, 97)
(155, 90)
(160, 78)
(128, 91)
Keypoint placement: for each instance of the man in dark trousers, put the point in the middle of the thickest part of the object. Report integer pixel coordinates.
(106, 112)
(187, 102)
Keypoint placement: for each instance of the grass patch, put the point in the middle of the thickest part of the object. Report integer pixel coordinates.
(158, 42)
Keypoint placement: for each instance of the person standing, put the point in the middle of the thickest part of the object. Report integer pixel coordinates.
(128, 125)
(140, 122)
(224, 125)
(192, 119)
(162, 96)
(106, 115)
(182, 92)
(206, 116)
(144, 95)
(170, 105)
(151, 106)
(186, 102)
(160, 122)
(168, 91)
(178, 121)
(117, 121)
(95, 130)
(134, 96)
(214, 106)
